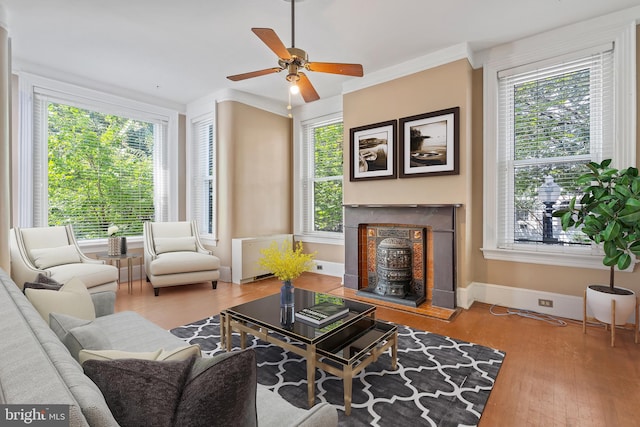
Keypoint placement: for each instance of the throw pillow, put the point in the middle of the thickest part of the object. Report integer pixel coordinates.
(50, 257)
(88, 336)
(78, 334)
(140, 392)
(73, 299)
(86, 354)
(174, 244)
(42, 282)
(180, 353)
(61, 324)
(220, 391)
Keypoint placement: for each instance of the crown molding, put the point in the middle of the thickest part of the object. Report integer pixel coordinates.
(319, 108)
(435, 59)
(561, 40)
(252, 100)
(21, 67)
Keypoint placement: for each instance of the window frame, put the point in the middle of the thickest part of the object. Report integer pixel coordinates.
(30, 85)
(319, 112)
(193, 150)
(545, 47)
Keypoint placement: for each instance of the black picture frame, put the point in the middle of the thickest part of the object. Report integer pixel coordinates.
(429, 144)
(373, 151)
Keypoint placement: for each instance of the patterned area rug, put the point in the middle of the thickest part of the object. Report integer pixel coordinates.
(440, 381)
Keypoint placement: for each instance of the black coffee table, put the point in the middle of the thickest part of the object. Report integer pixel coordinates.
(342, 348)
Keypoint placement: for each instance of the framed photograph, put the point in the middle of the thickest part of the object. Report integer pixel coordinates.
(373, 151)
(429, 144)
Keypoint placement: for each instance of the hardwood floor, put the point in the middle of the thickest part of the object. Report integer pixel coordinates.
(551, 376)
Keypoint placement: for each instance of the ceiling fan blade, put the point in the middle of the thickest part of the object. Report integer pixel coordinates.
(258, 73)
(336, 68)
(307, 90)
(273, 42)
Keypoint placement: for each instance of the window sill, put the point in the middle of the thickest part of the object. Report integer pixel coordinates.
(563, 259)
(325, 240)
(209, 241)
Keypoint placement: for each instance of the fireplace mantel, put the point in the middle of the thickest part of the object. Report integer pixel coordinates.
(441, 218)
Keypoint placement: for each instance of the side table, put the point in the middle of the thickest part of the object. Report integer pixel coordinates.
(118, 259)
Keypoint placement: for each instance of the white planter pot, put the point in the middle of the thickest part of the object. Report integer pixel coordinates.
(600, 305)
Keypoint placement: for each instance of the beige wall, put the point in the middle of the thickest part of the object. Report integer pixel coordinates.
(326, 252)
(435, 89)
(254, 174)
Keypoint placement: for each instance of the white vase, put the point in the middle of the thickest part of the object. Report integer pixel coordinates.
(600, 305)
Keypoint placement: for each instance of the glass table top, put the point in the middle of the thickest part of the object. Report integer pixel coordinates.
(267, 312)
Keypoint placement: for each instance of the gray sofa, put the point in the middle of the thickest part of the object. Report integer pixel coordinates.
(38, 369)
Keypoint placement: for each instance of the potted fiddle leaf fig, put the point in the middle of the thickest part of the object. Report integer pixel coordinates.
(609, 214)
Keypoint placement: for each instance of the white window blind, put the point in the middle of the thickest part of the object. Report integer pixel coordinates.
(203, 175)
(553, 119)
(322, 174)
(94, 168)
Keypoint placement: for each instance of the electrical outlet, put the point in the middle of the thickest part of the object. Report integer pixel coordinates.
(318, 267)
(545, 303)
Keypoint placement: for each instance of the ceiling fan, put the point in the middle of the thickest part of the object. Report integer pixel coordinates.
(294, 60)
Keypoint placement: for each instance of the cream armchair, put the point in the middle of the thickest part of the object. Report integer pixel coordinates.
(174, 255)
(54, 252)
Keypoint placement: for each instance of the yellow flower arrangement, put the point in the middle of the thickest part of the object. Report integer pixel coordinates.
(286, 263)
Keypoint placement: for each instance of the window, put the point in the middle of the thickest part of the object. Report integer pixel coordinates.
(547, 113)
(203, 175)
(92, 160)
(322, 177)
(100, 170)
(553, 120)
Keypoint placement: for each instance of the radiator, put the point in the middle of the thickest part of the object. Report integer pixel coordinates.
(245, 253)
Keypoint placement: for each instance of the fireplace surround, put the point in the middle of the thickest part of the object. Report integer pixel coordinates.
(439, 225)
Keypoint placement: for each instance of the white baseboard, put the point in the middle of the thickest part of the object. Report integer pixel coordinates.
(567, 306)
(328, 268)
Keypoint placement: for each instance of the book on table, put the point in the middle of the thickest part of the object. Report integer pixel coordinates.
(322, 314)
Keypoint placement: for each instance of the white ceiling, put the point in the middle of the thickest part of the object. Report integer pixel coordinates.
(177, 51)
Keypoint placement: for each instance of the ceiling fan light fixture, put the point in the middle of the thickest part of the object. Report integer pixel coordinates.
(295, 61)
